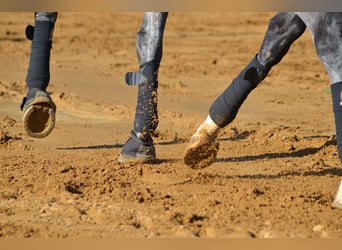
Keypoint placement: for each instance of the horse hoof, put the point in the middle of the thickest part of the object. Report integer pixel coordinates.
(39, 114)
(201, 152)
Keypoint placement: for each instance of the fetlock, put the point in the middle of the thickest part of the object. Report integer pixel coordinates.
(138, 150)
(207, 127)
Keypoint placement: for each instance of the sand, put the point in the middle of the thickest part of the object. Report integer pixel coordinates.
(276, 172)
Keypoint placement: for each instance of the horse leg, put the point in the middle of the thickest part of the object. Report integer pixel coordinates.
(139, 147)
(38, 107)
(326, 31)
(283, 30)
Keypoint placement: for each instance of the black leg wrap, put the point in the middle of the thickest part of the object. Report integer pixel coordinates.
(146, 115)
(226, 106)
(38, 74)
(336, 91)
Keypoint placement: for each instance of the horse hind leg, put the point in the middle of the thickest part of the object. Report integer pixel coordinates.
(326, 31)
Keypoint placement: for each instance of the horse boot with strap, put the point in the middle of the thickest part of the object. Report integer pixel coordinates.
(139, 147)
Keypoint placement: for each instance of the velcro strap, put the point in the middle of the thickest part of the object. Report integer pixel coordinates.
(147, 73)
(29, 31)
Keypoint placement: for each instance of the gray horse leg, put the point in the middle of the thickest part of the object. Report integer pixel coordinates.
(326, 31)
(283, 30)
(38, 107)
(139, 147)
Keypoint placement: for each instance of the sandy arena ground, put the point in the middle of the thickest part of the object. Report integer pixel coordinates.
(277, 170)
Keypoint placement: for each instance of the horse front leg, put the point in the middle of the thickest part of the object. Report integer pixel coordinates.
(139, 147)
(283, 30)
(38, 107)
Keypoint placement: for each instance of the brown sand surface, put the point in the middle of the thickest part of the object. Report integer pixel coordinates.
(277, 170)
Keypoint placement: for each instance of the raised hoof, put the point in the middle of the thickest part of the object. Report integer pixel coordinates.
(39, 114)
(201, 152)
